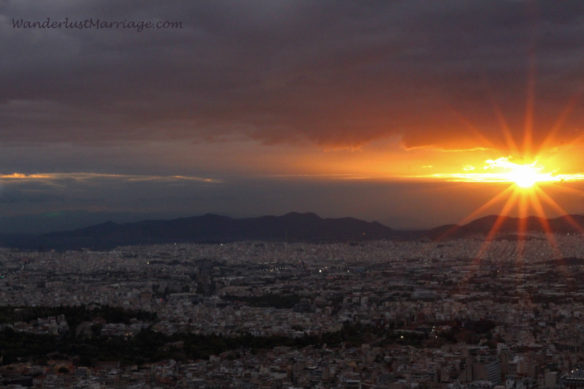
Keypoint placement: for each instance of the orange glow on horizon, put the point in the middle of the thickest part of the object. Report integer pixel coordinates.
(504, 170)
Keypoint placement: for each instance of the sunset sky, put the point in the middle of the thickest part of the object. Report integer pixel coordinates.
(376, 109)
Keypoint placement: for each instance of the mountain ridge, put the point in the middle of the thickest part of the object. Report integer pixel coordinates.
(292, 227)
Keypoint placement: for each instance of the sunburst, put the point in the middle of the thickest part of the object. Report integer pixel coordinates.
(527, 179)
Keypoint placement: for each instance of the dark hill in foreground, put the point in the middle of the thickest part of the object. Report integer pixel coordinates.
(292, 227)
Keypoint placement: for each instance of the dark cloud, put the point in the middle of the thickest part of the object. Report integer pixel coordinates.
(333, 72)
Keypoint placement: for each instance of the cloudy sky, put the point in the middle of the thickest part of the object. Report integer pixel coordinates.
(256, 107)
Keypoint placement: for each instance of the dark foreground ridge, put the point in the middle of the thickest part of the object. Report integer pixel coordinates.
(291, 227)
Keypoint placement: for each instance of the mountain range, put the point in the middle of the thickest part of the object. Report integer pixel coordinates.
(291, 227)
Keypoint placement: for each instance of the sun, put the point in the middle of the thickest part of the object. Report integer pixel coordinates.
(526, 173)
(525, 191)
(526, 176)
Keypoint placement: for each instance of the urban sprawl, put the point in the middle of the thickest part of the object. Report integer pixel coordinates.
(383, 314)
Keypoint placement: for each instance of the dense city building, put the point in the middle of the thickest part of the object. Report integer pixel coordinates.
(381, 314)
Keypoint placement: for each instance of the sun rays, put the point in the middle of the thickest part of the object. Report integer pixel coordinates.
(528, 173)
(524, 195)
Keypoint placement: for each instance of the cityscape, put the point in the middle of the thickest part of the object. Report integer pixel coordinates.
(375, 314)
(292, 194)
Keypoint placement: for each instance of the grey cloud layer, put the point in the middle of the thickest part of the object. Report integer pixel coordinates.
(333, 72)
